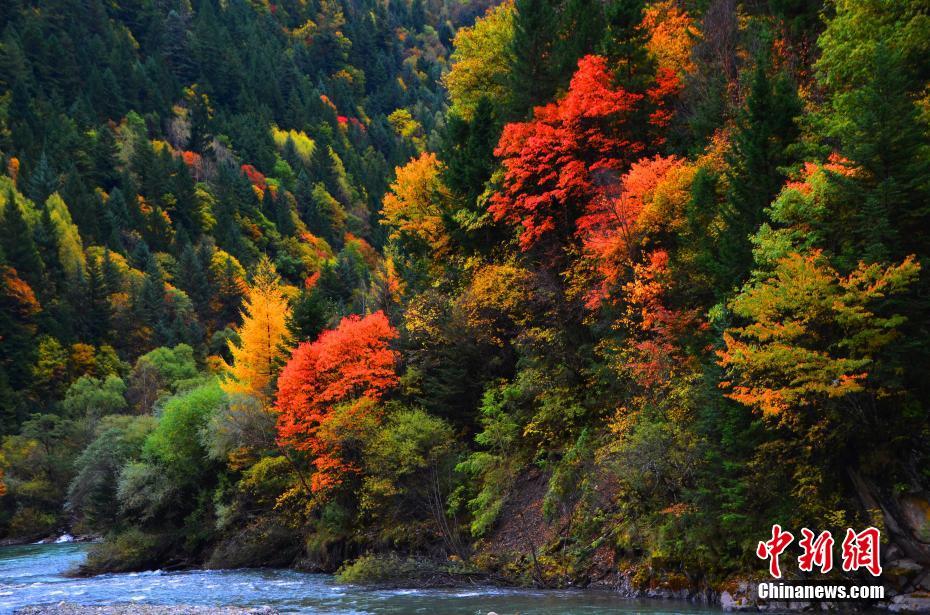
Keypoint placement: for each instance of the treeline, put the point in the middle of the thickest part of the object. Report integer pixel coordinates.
(648, 278)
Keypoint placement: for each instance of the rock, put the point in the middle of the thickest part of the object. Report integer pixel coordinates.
(917, 602)
(916, 512)
(734, 603)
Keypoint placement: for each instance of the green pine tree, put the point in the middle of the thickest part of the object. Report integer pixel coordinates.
(16, 238)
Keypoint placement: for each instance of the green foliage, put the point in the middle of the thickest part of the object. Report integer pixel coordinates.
(93, 398)
(494, 468)
(177, 441)
(727, 328)
(129, 550)
(92, 492)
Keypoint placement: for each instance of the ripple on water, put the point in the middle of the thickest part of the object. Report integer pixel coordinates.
(37, 575)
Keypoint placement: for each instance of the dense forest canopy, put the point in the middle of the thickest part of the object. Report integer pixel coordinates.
(549, 288)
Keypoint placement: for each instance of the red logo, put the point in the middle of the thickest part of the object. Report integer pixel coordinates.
(860, 550)
(771, 549)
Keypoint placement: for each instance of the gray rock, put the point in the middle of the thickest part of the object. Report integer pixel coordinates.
(917, 602)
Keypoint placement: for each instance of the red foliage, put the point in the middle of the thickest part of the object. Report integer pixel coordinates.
(255, 177)
(350, 363)
(666, 87)
(610, 231)
(657, 350)
(191, 159)
(342, 119)
(556, 164)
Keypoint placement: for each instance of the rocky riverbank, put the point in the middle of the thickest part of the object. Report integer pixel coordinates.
(67, 608)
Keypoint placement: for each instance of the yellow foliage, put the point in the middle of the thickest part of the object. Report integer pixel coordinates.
(303, 144)
(812, 332)
(481, 61)
(414, 206)
(664, 206)
(404, 124)
(497, 301)
(260, 351)
(671, 35)
(71, 249)
(218, 264)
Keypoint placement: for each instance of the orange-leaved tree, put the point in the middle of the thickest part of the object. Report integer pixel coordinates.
(613, 228)
(415, 205)
(339, 375)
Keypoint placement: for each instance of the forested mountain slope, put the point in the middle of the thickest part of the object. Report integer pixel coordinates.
(544, 289)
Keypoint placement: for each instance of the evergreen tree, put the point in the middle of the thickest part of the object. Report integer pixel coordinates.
(758, 157)
(192, 279)
(581, 24)
(49, 247)
(151, 308)
(624, 42)
(16, 238)
(105, 159)
(43, 181)
(883, 209)
(532, 74)
(308, 317)
(97, 305)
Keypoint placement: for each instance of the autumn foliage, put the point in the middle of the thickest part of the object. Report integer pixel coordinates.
(257, 354)
(813, 334)
(558, 163)
(347, 365)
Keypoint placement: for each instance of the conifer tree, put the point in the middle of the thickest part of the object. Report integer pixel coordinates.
(48, 244)
(17, 241)
(757, 160)
(532, 74)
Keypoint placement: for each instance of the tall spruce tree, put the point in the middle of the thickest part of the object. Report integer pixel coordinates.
(533, 73)
(757, 161)
(16, 238)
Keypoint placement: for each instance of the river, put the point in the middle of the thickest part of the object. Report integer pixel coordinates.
(35, 574)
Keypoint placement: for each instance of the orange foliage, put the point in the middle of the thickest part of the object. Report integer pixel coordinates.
(12, 168)
(18, 298)
(350, 363)
(369, 254)
(657, 352)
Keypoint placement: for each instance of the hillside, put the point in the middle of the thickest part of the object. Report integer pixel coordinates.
(554, 292)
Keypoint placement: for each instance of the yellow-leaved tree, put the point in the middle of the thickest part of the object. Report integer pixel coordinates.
(260, 350)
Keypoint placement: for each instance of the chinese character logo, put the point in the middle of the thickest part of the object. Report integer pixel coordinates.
(817, 552)
(862, 551)
(859, 550)
(771, 549)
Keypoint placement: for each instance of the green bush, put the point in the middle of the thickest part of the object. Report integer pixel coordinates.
(126, 551)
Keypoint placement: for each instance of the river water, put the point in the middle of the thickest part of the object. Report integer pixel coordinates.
(34, 574)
